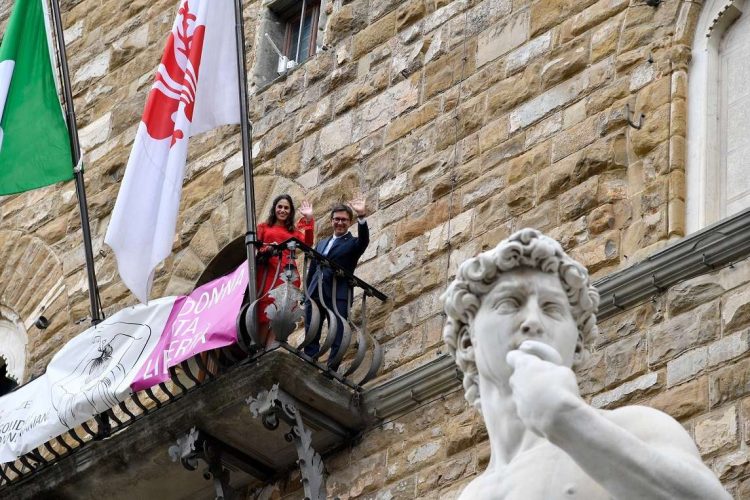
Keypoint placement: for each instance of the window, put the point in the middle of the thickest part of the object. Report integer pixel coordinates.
(290, 34)
(301, 32)
(7, 383)
(13, 342)
(718, 165)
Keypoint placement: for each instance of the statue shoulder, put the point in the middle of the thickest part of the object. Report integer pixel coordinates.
(654, 427)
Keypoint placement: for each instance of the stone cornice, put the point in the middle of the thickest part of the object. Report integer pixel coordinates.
(702, 252)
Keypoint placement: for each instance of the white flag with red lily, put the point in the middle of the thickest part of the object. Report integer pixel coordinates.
(196, 90)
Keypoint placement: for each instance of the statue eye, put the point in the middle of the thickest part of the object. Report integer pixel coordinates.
(552, 308)
(507, 304)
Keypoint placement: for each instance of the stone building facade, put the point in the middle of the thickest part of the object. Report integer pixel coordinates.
(460, 121)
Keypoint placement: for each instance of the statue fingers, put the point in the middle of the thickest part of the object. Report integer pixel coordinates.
(541, 350)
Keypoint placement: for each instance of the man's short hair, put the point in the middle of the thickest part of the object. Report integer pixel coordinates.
(527, 248)
(340, 207)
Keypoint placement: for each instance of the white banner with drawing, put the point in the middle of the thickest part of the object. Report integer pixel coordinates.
(90, 374)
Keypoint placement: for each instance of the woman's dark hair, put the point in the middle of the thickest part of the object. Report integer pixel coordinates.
(289, 223)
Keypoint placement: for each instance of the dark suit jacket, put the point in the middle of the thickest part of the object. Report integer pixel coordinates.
(345, 252)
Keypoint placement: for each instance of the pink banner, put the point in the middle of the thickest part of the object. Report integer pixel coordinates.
(206, 319)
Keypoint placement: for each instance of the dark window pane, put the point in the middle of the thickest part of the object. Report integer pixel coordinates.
(7, 384)
(304, 41)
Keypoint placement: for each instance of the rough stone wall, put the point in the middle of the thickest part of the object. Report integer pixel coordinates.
(460, 121)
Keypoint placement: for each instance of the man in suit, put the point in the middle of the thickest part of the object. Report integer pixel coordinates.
(345, 250)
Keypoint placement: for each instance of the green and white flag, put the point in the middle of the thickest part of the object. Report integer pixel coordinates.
(34, 144)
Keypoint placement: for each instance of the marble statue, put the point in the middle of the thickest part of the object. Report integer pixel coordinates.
(518, 319)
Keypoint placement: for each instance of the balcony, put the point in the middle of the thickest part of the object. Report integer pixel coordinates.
(229, 419)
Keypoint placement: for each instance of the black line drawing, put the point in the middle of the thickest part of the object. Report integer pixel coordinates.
(96, 382)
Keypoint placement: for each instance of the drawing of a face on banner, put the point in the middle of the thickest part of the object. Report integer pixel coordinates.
(93, 372)
(102, 361)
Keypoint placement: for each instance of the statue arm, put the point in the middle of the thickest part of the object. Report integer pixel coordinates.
(612, 447)
(632, 452)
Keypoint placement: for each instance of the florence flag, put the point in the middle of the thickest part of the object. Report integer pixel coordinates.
(196, 89)
(34, 144)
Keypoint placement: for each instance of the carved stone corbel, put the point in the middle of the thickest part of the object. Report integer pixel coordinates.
(272, 407)
(194, 446)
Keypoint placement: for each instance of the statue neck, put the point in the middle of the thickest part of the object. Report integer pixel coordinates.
(507, 434)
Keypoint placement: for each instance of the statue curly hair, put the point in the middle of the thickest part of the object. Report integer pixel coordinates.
(527, 248)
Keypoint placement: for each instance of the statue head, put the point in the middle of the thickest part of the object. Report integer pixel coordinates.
(525, 250)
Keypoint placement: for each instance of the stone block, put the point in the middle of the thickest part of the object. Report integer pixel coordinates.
(520, 57)
(684, 332)
(482, 188)
(684, 400)
(498, 154)
(554, 180)
(512, 91)
(409, 13)
(410, 122)
(346, 20)
(625, 360)
(574, 139)
(491, 214)
(336, 135)
(373, 35)
(717, 432)
(728, 348)
(643, 232)
(735, 313)
(493, 133)
(600, 252)
(381, 110)
(692, 293)
(393, 190)
(520, 196)
(596, 14)
(312, 117)
(645, 384)
(729, 383)
(498, 40)
(602, 219)
(544, 129)
(447, 472)
(732, 465)
(528, 163)
(558, 96)
(603, 155)
(565, 62)
(96, 132)
(579, 200)
(686, 366)
(455, 230)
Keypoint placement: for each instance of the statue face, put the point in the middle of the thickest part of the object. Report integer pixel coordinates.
(525, 304)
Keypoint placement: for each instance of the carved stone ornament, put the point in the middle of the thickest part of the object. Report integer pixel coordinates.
(518, 319)
(274, 405)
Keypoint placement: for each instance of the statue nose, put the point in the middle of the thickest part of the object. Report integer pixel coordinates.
(531, 324)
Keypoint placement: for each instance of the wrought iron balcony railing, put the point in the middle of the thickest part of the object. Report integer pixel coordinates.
(356, 368)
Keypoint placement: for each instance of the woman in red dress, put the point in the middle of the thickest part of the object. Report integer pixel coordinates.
(278, 228)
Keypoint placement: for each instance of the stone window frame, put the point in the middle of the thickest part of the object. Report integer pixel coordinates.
(13, 345)
(271, 20)
(704, 181)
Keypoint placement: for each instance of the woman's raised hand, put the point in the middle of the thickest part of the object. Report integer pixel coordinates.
(306, 209)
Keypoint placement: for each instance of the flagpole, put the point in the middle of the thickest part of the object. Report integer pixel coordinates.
(75, 147)
(247, 164)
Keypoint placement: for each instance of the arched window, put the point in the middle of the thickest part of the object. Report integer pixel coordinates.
(718, 166)
(7, 383)
(13, 342)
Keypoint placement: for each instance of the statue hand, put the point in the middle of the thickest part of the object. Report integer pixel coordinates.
(542, 389)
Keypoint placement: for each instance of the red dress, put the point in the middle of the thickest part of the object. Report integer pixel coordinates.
(278, 234)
